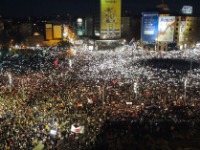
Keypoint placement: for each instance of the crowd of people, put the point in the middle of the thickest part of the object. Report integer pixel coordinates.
(93, 104)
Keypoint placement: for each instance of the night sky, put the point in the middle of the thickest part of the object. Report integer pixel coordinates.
(81, 7)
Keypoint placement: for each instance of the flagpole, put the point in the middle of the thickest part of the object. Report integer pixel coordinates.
(22, 82)
(185, 90)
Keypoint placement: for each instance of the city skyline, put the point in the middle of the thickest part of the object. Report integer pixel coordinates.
(81, 8)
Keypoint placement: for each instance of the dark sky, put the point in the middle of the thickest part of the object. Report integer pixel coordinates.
(80, 7)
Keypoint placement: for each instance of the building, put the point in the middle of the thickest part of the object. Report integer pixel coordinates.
(89, 27)
(187, 31)
(80, 27)
(126, 27)
(1, 25)
(167, 32)
(25, 30)
(53, 33)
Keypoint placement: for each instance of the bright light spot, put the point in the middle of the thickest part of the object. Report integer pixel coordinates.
(64, 35)
(79, 20)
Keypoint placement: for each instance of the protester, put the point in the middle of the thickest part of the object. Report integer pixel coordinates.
(92, 103)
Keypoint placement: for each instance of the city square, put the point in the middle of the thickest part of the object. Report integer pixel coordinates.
(99, 75)
(72, 102)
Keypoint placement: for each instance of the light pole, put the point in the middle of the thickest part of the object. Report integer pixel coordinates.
(135, 87)
(134, 83)
(185, 89)
(156, 43)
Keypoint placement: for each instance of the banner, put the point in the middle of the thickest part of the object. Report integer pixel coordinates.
(166, 27)
(56, 63)
(54, 130)
(110, 22)
(129, 103)
(149, 26)
(182, 29)
(79, 129)
(90, 101)
(57, 32)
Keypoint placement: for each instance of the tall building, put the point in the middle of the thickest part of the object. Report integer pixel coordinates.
(187, 31)
(89, 26)
(80, 27)
(126, 27)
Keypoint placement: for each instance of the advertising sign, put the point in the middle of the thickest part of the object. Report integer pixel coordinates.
(166, 27)
(110, 23)
(49, 32)
(149, 26)
(187, 10)
(57, 31)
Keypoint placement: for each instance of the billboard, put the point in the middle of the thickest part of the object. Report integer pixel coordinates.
(166, 25)
(188, 10)
(149, 26)
(110, 19)
(49, 31)
(57, 31)
(182, 29)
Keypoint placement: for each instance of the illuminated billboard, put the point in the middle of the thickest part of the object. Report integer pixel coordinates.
(57, 31)
(49, 31)
(149, 26)
(166, 27)
(187, 10)
(110, 23)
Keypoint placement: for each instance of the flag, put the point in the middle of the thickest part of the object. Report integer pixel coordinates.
(90, 101)
(79, 105)
(114, 81)
(79, 129)
(56, 63)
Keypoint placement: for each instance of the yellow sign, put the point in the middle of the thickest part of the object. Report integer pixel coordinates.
(110, 19)
(57, 31)
(49, 31)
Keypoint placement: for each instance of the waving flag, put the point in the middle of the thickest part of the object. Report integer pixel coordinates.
(56, 63)
(90, 101)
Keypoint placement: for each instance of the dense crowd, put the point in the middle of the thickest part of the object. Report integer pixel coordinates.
(38, 109)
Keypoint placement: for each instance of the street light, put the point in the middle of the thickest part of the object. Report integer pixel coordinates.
(156, 43)
(185, 89)
(135, 87)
